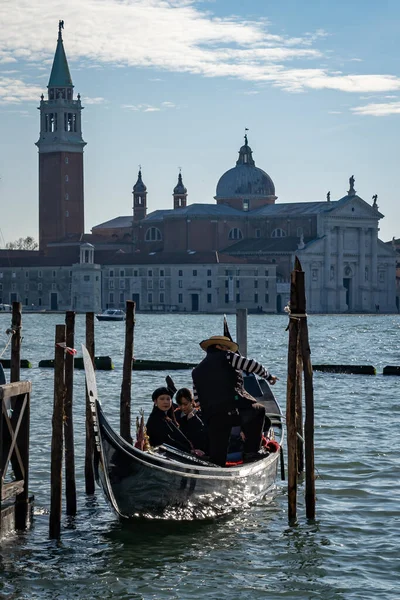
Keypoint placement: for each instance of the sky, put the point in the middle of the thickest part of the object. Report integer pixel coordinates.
(172, 85)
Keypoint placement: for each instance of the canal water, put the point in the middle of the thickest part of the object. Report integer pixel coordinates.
(350, 552)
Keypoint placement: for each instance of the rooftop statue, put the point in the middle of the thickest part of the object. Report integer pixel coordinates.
(351, 191)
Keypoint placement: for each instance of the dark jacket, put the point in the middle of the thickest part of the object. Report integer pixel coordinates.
(219, 386)
(195, 430)
(162, 430)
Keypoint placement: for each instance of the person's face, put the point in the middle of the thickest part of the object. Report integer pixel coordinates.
(185, 405)
(163, 402)
(222, 347)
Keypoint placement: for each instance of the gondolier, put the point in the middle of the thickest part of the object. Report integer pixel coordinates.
(218, 386)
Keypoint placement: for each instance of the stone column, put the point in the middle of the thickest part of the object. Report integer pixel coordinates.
(374, 267)
(327, 258)
(339, 274)
(361, 267)
(374, 257)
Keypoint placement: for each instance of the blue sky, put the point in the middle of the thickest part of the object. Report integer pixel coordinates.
(173, 84)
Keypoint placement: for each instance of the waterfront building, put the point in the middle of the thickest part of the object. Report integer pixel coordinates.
(348, 269)
(200, 282)
(214, 257)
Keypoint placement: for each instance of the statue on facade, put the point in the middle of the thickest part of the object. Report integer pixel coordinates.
(301, 243)
(375, 201)
(351, 191)
(328, 197)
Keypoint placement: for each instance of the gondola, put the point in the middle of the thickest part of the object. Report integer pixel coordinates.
(166, 483)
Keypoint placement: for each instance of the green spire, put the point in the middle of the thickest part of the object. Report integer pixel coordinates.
(60, 75)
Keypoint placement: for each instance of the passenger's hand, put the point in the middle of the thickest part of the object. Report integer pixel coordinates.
(198, 452)
(272, 379)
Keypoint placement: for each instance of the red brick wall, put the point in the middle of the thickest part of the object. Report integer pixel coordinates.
(54, 223)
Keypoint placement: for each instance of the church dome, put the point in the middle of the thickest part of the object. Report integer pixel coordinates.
(245, 180)
(180, 188)
(139, 186)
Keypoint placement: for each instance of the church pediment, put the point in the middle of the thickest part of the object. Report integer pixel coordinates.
(355, 207)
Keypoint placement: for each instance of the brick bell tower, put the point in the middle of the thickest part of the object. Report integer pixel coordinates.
(61, 202)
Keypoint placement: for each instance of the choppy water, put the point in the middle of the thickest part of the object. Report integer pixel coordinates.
(350, 552)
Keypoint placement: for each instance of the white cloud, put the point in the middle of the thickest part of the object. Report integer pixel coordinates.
(174, 35)
(98, 100)
(378, 109)
(148, 107)
(14, 91)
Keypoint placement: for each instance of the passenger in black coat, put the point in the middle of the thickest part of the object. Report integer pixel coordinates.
(161, 425)
(190, 420)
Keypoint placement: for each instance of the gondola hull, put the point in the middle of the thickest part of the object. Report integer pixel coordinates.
(156, 485)
(166, 483)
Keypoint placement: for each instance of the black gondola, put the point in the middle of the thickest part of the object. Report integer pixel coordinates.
(167, 483)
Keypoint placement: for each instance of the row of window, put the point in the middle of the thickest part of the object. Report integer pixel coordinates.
(28, 286)
(255, 281)
(51, 122)
(161, 283)
(153, 234)
(150, 273)
(27, 273)
(256, 298)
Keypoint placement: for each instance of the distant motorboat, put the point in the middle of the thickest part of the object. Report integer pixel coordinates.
(111, 314)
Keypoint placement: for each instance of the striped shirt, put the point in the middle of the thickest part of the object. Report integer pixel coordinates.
(241, 363)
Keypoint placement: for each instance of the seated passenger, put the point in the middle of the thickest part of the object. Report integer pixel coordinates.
(190, 421)
(161, 425)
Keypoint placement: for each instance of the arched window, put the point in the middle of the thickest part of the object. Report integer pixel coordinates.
(235, 234)
(278, 233)
(153, 234)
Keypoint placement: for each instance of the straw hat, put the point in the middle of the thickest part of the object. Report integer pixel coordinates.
(219, 339)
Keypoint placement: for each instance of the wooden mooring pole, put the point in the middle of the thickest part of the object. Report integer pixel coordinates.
(70, 485)
(241, 330)
(299, 361)
(89, 475)
(291, 423)
(57, 435)
(125, 402)
(16, 321)
(309, 421)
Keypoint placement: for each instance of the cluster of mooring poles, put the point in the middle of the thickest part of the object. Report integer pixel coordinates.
(300, 448)
(62, 430)
(15, 503)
